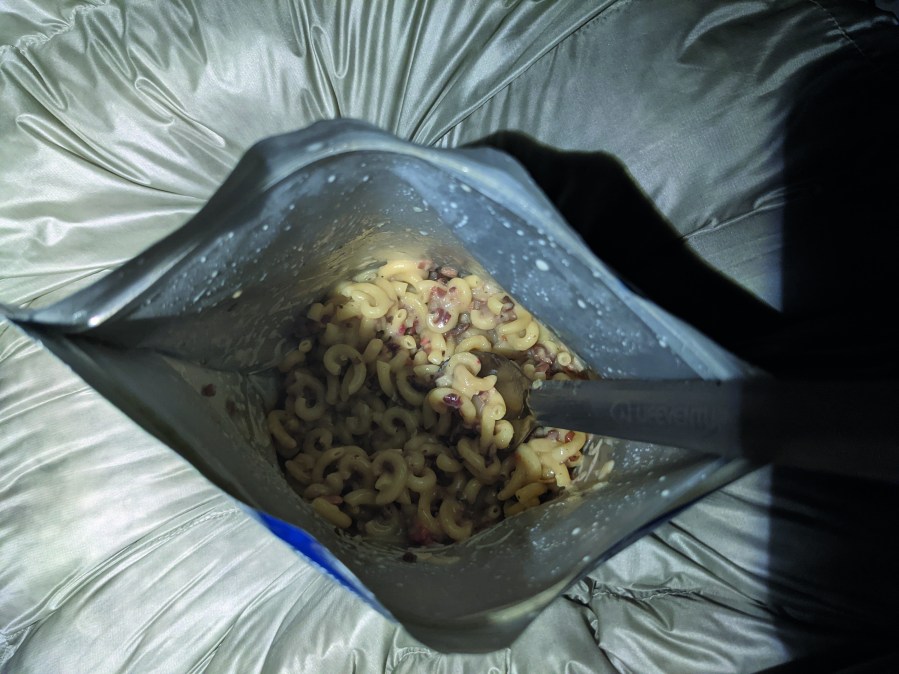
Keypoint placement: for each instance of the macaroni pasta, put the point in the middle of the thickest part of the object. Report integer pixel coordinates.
(387, 426)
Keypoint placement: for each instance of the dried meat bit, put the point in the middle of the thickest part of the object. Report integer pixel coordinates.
(409, 556)
(463, 325)
(441, 317)
(452, 400)
(507, 314)
(539, 353)
(569, 436)
(208, 390)
(437, 291)
(448, 272)
(231, 407)
(420, 535)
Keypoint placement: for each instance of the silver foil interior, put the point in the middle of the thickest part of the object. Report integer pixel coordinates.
(218, 303)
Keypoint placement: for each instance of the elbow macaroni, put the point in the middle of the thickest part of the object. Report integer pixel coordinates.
(389, 430)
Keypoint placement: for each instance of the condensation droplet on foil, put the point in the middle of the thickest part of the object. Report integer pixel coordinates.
(541, 265)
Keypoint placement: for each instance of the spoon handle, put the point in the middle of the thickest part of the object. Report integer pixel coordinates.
(845, 427)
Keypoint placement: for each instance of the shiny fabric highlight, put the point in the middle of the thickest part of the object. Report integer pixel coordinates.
(118, 119)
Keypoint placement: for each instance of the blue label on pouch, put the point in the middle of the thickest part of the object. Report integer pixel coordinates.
(316, 553)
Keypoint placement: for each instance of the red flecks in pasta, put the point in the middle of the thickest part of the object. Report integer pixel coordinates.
(389, 429)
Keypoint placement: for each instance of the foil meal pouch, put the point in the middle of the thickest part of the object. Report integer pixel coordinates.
(185, 339)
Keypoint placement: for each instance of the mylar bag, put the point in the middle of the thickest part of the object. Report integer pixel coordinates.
(185, 339)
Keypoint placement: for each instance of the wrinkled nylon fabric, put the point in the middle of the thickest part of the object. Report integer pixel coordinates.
(724, 77)
(118, 119)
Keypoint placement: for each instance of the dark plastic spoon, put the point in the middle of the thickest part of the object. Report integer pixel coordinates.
(845, 427)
